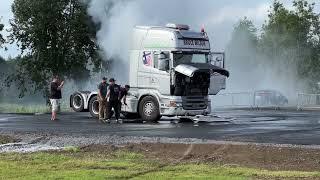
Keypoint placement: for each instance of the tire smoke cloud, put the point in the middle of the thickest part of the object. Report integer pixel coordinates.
(117, 18)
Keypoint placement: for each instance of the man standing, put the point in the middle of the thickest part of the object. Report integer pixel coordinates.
(102, 98)
(113, 95)
(55, 96)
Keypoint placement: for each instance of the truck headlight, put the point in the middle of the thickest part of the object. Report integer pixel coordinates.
(173, 104)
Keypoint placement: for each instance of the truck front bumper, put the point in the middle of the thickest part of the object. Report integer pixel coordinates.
(167, 108)
(179, 111)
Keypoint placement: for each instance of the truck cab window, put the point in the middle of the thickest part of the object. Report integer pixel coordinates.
(163, 61)
(187, 58)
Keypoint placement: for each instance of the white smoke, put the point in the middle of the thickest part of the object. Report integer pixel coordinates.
(118, 17)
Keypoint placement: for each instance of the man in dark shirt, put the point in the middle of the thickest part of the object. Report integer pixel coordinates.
(55, 96)
(123, 95)
(102, 98)
(113, 95)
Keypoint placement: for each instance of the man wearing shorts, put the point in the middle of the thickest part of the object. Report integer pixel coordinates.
(55, 96)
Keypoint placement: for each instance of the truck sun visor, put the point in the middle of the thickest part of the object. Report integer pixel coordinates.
(178, 26)
(190, 69)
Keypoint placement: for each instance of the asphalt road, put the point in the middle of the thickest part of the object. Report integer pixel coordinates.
(268, 126)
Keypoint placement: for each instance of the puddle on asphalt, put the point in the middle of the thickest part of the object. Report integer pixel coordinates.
(6, 118)
(201, 119)
(26, 148)
(264, 118)
(275, 127)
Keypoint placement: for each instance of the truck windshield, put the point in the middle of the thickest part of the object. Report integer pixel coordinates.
(187, 58)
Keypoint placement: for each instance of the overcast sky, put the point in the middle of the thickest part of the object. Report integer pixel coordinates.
(219, 16)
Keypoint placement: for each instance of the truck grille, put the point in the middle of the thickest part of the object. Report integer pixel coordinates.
(194, 102)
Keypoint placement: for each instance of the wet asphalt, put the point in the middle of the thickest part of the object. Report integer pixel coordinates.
(258, 126)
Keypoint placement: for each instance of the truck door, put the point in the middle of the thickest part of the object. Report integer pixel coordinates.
(160, 77)
(217, 81)
(145, 65)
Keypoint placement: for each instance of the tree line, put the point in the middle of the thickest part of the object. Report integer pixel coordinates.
(288, 42)
(58, 38)
(55, 38)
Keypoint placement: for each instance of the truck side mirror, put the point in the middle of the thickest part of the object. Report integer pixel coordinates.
(219, 59)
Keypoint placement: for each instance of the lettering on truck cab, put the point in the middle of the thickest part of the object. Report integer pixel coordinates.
(194, 42)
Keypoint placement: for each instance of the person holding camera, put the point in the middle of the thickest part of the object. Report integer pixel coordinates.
(55, 96)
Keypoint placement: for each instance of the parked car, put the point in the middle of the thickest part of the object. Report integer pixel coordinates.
(269, 98)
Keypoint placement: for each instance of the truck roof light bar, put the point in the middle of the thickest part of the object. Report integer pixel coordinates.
(178, 26)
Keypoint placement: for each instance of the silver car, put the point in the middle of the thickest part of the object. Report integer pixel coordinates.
(269, 98)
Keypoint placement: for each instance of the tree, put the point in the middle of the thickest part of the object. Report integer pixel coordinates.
(3, 66)
(244, 41)
(2, 40)
(55, 38)
(6, 66)
(290, 38)
(241, 53)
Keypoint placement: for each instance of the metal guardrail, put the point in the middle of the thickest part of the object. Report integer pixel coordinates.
(241, 100)
(308, 101)
(234, 100)
(305, 101)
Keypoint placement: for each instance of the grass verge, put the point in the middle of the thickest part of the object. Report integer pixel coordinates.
(18, 108)
(72, 164)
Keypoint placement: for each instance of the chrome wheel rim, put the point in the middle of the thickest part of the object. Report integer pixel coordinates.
(95, 107)
(77, 101)
(148, 108)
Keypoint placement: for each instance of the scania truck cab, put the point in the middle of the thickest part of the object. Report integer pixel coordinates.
(172, 72)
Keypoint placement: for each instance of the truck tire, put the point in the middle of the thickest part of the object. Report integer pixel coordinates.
(77, 102)
(94, 107)
(149, 109)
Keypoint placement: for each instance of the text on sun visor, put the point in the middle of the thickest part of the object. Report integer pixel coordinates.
(194, 42)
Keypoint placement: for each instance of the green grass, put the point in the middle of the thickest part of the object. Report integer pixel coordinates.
(28, 108)
(17, 108)
(74, 164)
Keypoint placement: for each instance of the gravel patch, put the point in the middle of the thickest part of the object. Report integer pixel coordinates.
(25, 148)
(65, 140)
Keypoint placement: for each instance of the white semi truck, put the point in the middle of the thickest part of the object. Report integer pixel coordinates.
(172, 72)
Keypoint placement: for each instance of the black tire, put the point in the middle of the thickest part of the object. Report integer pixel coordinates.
(149, 109)
(77, 102)
(130, 115)
(94, 107)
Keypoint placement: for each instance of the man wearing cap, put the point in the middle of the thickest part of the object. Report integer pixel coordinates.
(113, 95)
(102, 98)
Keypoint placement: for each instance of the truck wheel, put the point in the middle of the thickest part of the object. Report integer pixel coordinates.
(94, 107)
(77, 102)
(149, 109)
